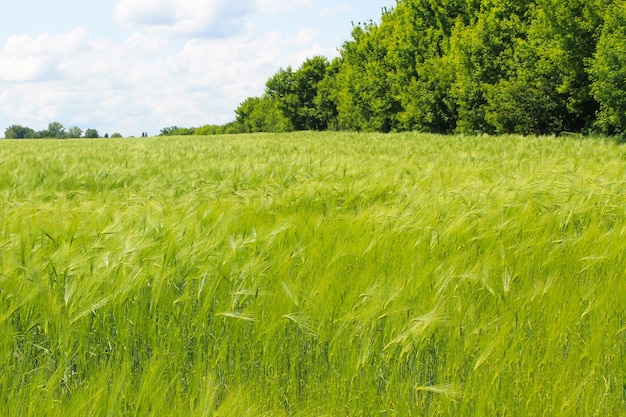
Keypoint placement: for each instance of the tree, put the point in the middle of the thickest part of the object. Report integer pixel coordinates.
(565, 35)
(116, 135)
(421, 70)
(326, 99)
(91, 133)
(364, 99)
(74, 132)
(166, 131)
(494, 66)
(175, 131)
(19, 132)
(608, 71)
(295, 93)
(261, 114)
(56, 130)
(484, 54)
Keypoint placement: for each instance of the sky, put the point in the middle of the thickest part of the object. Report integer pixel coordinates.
(133, 66)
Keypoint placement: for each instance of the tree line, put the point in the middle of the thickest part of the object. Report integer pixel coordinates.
(55, 130)
(449, 66)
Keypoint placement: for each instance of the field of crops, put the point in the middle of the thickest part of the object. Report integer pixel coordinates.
(311, 274)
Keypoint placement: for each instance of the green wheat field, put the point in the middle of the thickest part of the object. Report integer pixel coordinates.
(313, 274)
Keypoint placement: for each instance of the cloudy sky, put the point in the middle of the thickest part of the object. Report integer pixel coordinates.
(131, 66)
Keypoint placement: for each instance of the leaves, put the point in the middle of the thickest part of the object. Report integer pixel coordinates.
(608, 71)
(494, 66)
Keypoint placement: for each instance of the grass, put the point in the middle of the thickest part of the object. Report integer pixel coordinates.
(313, 275)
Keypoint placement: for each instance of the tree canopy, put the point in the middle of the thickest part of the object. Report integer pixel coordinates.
(55, 130)
(492, 66)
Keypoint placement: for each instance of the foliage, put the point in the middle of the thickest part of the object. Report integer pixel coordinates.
(313, 274)
(92, 133)
(364, 102)
(55, 130)
(295, 93)
(74, 132)
(19, 132)
(491, 66)
(609, 71)
(261, 114)
(210, 130)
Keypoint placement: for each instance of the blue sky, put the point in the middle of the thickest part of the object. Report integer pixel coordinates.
(131, 66)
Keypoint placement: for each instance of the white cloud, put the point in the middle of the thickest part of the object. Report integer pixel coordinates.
(25, 58)
(141, 83)
(25, 69)
(281, 6)
(181, 62)
(330, 12)
(141, 42)
(146, 12)
(47, 44)
(186, 18)
(307, 35)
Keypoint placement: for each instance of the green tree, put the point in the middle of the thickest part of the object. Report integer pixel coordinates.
(565, 36)
(56, 130)
(210, 130)
(74, 132)
(484, 54)
(92, 133)
(296, 93)
(177, 131)
(608, 71)
(19, 132)
(168, 131)
(325, 101)
(261, 114)
(421, 71)
(495, 66)
(364, 99)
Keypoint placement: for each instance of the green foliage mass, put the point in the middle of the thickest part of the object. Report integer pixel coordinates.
(609, 71)
(313, 274)
(55, 130)
(491, 66)
(19, 132)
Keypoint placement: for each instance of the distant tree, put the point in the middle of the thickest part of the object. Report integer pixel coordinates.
(261, 114)
(175, 131)
(166, 131)
(56, 130)
(106, 135)
(207, 130)
(74, 132)
(91, 133)
(19, 132)
(184, 131)
(116, 135)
